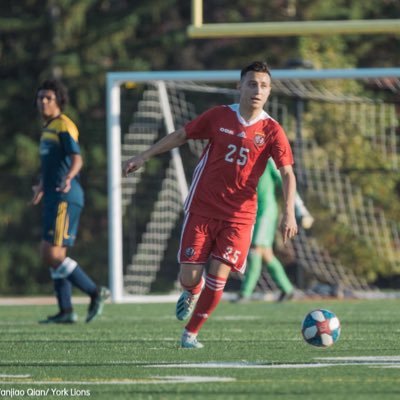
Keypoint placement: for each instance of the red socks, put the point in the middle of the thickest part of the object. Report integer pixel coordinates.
(208, 301)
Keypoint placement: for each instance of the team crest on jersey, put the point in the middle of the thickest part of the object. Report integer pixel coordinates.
(189, 252)
(259, 138)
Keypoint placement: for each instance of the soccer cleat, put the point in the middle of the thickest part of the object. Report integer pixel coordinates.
(185, 305)
(61, 318)
(97, 303)
(189, 341)
(285, 297)
(240, 299)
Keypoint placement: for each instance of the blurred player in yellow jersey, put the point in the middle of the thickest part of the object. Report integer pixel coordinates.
(61, 193)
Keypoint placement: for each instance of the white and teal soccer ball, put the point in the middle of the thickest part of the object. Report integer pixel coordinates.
(321, 328)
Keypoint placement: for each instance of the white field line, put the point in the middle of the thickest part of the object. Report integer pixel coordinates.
(320, 362)
(276, 366)
(378, 361)
(370, 361)
(152, 380)
(362, 358)
(243, 366)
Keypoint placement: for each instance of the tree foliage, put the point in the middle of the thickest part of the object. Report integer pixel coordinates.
(81, 41)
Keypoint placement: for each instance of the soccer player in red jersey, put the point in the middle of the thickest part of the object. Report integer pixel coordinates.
(221, 207)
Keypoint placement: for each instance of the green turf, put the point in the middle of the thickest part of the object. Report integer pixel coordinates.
(128, 352)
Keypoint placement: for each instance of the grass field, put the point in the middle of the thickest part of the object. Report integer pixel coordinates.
(252, 351)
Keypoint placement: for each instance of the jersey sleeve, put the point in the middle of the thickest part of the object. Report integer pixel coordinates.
(70, 145)
(68, 135)
(281, 151)
(199, 128)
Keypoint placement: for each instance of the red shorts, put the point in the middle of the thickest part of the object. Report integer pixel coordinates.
(203, 237)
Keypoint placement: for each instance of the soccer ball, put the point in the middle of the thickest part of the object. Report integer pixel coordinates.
(321, 328)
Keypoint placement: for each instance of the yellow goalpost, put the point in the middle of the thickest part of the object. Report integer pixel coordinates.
(200, 30)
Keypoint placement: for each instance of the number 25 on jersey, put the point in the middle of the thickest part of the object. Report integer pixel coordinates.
(237, 155)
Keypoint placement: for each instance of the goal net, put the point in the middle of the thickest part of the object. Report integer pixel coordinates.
(145, 208)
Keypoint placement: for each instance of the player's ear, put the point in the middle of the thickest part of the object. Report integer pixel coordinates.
(238, 85)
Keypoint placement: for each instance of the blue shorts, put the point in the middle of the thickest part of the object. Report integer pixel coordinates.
(60, 223)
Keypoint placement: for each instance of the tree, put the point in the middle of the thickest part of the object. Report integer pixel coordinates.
(81, 41)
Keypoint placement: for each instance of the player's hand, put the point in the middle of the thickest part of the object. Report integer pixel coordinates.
(132, 165)
(65, 185)
(288, 227)
(37, 194)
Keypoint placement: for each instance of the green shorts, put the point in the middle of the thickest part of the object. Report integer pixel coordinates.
(265, 229)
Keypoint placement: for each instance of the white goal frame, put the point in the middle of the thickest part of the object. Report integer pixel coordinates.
(114, 80)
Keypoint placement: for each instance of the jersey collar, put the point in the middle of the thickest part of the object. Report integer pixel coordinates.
(235, 108)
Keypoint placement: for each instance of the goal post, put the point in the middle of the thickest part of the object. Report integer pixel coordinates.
(167, 106)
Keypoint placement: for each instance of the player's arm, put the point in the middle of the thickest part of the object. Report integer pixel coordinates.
(76, 166)
(276, 175)
(165, 144)
(288, 223)
(37, 193)
(302, 214)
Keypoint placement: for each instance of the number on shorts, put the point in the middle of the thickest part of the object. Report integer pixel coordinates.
(231, 254)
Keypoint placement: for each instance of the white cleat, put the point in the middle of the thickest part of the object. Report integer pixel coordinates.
(186, 304)
(189, 341)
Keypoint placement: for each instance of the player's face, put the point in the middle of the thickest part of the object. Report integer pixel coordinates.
(47, 104)
(255, 88)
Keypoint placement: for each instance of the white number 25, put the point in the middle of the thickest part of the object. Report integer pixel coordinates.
(231, 254)
(235, 155)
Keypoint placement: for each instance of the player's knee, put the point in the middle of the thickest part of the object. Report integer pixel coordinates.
(190, 277)
(51, 256)
(189, 281)
(47, 259)
(268, 254)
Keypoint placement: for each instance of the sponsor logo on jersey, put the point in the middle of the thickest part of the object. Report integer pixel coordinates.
(189, 252)
(226, 130)
(241, 134)
(259, 138)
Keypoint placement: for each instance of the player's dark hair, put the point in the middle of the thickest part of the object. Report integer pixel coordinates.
(256, 66)
(59, 90)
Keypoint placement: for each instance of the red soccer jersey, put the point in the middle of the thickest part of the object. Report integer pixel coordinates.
(225, 179)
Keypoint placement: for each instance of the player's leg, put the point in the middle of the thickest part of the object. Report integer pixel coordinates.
(53, 256)
(252, 275)
(262, 237)
(209, 299)
(229, 252)
(78, 277)
(278, 274)
(192, 282)
(264, 240)
(61, 225)
(193, 254)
